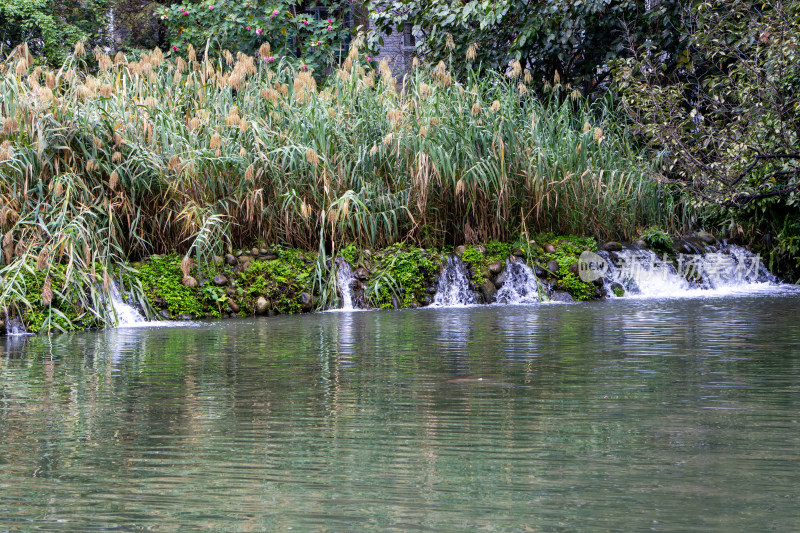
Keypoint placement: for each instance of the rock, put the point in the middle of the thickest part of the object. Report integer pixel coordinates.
(561, 296)
(552, 267)
(234, 307)
(238, 253)
(231, 260)
(261, 306)
(2, 326)
(500, 281)
(189, 281)
(549, 248)
(306, 301)
(264, 251)
(488, 291)
(685, 247)
(640, 244)
(617, 290)
(459, 251)
(165, 314)
(574, 268)
(480, 249)
(395, 302)
(219, 260)
(539, 271)
(361, 274)
(706, 237)
(254, 251)
(496, 267)
(611, 246)
(519, 252)
(230, 291)
(425, 299)
(245, 258)
(186, 316)
(220, 280)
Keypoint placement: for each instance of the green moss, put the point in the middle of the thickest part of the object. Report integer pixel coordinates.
(405, 272)
(657, 239)
(351, 254)
(280, 281)
(568, 250)
(161, 277)
(65, 312)
(578, 289)
(479, 261)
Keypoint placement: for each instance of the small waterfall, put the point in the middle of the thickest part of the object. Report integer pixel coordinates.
(731, 269)
(125, 313)
(521, 285)
(453, 288)
(14, 326)
(344, 281)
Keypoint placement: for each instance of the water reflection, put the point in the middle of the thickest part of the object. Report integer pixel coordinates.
(620, 415)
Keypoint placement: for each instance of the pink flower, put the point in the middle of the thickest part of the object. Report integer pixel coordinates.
(174, 48)
(210, 7)
(330, 21)
(270, 58)
(275, 12)
(369, 58)
(248, 28)
(305, 22)
(258, 31)
(330, 28)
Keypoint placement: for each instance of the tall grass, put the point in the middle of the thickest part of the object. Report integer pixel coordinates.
(159, 154)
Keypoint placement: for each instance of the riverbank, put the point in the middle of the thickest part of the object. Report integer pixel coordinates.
(270, 280)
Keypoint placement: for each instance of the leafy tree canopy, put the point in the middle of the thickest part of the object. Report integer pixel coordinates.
(568, 40)
(725, 113)
(314, 33)
(49, 27)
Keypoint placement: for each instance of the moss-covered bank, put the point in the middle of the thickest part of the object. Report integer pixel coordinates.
(278, 280)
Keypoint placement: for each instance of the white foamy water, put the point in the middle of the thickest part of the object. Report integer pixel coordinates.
(125, 313)
(14, 326)
(730, 271)
(453, 288)
(344, 281)
(521, 285)
(128, 316)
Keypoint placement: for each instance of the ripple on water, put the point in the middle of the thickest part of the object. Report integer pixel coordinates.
(619, 415)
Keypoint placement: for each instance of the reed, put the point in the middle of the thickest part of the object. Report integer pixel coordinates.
(153, 154)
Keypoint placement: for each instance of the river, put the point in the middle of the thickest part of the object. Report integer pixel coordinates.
(619, 415)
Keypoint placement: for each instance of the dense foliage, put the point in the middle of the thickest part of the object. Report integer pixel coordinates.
(314, 33)
(50, 28)
(725, 113)
(567, 41)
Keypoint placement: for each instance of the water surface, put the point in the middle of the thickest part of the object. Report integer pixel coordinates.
(621, 415)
